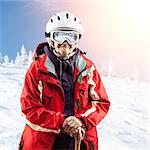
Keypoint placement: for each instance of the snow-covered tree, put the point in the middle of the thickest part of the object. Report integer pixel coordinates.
(30, 55)
(134, 76)
(1, 58)
(6, 60)
(11, 63)
(17, 59)
(110, 68)
(23, 56)
(103, 69)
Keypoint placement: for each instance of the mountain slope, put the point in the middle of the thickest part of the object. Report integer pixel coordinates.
(124, 128)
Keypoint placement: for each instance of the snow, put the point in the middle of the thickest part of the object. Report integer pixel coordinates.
(126, 127)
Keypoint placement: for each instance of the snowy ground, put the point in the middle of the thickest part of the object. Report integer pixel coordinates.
(124, 128)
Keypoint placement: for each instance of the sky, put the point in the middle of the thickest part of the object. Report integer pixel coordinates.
(114, 30)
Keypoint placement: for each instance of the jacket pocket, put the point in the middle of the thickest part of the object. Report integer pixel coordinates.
(47, 96)
(47, 100)
(83, 97)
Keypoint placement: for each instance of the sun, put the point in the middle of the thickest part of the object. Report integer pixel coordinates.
(139, 9)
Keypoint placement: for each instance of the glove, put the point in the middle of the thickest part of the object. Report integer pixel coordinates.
(71, 125)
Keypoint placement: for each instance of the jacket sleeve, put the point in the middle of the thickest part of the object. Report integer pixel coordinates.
(98, 104)
(37, 116)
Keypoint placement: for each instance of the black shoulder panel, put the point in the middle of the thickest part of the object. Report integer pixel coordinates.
(40, 48)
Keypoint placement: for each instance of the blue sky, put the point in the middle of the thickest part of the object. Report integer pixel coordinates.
(24, 21)
(19, 26)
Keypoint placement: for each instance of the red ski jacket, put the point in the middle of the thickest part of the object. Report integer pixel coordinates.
(42, 102)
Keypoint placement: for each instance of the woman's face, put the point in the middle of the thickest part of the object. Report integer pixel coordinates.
(64, 49)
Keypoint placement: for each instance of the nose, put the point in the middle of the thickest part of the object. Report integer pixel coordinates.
(65, 43)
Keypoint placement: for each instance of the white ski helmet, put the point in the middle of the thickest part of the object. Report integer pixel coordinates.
(64, 21)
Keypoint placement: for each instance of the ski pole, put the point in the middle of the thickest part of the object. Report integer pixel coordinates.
(77, 145)
(79, 138)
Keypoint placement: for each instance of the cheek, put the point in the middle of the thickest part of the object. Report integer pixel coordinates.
(55, 45)
(73, 47)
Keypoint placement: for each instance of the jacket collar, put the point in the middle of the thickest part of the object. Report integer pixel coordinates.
(47, 60)
(53, 61)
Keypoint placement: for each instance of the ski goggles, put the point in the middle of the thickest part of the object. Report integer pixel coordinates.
(71, 37)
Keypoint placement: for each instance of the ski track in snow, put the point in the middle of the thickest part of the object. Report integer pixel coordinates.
(124, 128)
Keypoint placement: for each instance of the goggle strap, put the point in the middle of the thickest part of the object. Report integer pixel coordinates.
(47, 34)
(79, 36)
